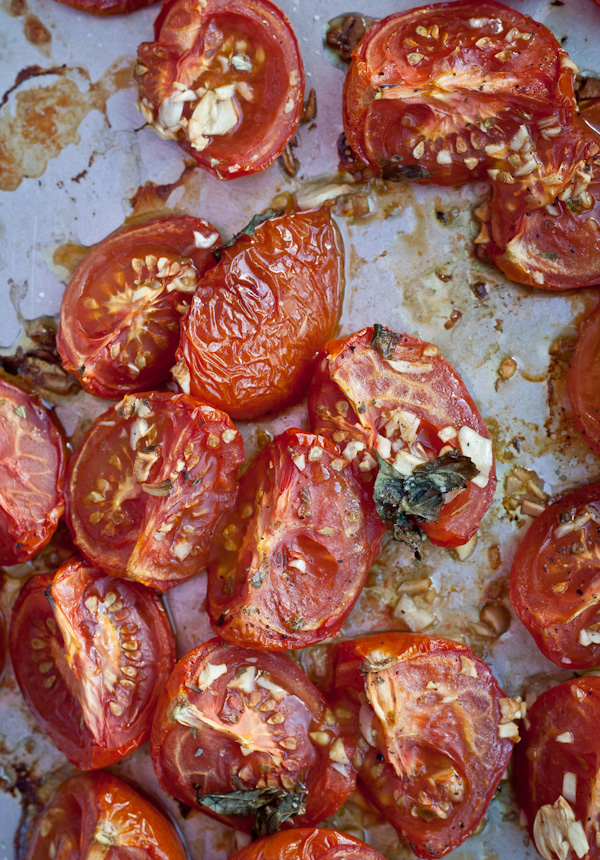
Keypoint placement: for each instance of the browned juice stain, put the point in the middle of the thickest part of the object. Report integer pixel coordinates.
(37, 34)
(69, 255)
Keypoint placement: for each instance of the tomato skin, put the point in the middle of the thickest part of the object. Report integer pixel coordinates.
(268, 81)
(258, 318)
(222, 767)
(308, 844)
(323, 535)
(146, 491)
(107, 7)
(31, 449)
(131, 347)
(440, 751)
(352, 374)
(583, 380)
(99, 814)
(63, 635)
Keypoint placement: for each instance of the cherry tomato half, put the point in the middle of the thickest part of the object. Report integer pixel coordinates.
(119, 319)
(433, 731)
(583, 380)
(297, 549)
(225, 79)
(99, 815)
(245, 736)
(90, 655)
(150, 485)
(107, 7)
(555, 770)
(308, 844)
(395, 395)
(32, 473)
(257, 319)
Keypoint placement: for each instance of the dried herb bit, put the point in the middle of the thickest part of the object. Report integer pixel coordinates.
(404, 172)
(271, 806)
(384, 340)
(271, 817)
(249, 229)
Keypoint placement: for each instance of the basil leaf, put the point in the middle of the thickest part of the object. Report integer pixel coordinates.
(240, 802)
(248, 230)
(271, 817)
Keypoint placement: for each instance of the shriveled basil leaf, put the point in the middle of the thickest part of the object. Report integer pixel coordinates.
(270, 818)
(384, 340)
(240, 802)
(248, 230)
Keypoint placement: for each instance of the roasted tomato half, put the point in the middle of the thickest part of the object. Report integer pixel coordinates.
(150, 485)
(107, 7)
(434, 93)
(555, 770)
(308, 843)
(99, 815)
(225, 79)
(258, 318)
(583, 380)
(244, 736)
(433, 730)
(555, 580)
(32, 474)
(119, 319)
(382, 394)
(91, 655)
(295, 554)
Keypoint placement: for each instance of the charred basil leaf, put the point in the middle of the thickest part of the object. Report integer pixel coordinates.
(248, 230)
(270, 818)
(271, 806)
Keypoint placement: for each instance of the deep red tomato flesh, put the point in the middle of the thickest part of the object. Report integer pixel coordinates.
(308, 844)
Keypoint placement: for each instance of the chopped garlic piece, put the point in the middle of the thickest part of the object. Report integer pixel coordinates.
(209, 674)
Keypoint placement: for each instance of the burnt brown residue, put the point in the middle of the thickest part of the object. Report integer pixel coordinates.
(27, 73)
(151, 199)
(69, 255)
(27, 789)
(37, 33)
(40, 367)
(345, 32)
(453, 319)
(15, 8)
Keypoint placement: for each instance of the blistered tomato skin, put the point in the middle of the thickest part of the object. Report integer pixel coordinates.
(225, 79)
(32, 474)
(120, 314)
(234, 720)
(433, 730)
(258, 318)
(150, 486)
(308, 844)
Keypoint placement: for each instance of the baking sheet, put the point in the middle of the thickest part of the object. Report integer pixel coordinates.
(75, 162)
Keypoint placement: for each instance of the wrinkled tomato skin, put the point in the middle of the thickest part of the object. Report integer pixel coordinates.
(60, 639)
(415, 767)
(100, 815)
(107, 7)
(184, 37)
(114, 342)
(32, 474)
(308, 844)
(354, 385)
(222, 767)
(583, 380)
(296, 552)
(258, 318)
(554, 577)
(149, 486)
(541, 761)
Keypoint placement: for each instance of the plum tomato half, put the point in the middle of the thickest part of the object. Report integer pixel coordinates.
(151, 483)
(91, 655)
(98, 815)
(120, 314)
(295, 554)
(583, 380)
(224, 78)
(433, 732)
(244, 736)
(379, 393)
(555, 580)
(308, 843)
(258, 318)
(32, 475)
(555, 770)
(433, 93)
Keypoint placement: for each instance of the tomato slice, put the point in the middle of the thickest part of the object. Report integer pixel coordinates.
(107, 7)
(151, 483)
(433, 730)
(245, 736)
(555, 579)
(98, 815)
(295, 554)
(32, 473)
(308, 843)
(120, 314)
(257, 319)
(379, 392)
(225, 80)
(91, 655)
(555, 770)
(432, 93)
(583, 380)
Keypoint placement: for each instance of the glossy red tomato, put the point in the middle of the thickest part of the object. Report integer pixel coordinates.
(297, 549)
(434, 733)
(99, 815)
(583, 380)
(395, 395)
(225, 79)
(32, 473)
(308, 844)
(150, 486)
(555, 770)
(258, 318)
(245, 736)
(107, 7)
(91, 655)
(433, 93)
(119, 319)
